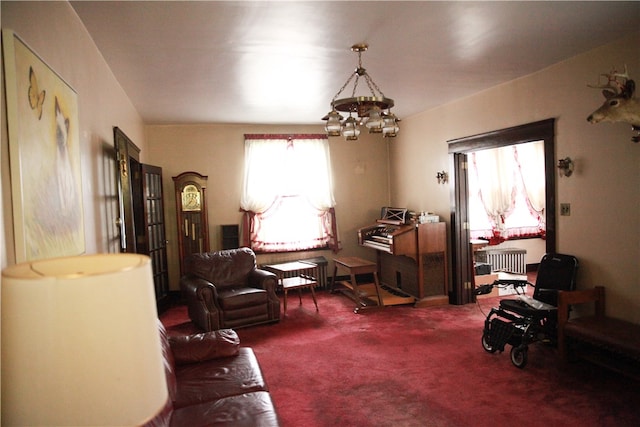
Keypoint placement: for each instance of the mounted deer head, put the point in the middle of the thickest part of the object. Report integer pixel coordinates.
(620, 105)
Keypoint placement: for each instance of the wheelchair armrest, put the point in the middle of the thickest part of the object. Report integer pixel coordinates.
(515, 282)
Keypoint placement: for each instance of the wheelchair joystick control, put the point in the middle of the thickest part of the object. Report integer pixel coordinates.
(483, 289)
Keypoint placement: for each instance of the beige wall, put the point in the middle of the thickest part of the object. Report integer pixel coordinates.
(360, 175)
(603, 230)
(54, 32)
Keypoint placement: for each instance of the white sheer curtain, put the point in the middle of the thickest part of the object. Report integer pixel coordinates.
(507, 192)
(530, 160)
(496, 182)
(288, 193)
(263, 173)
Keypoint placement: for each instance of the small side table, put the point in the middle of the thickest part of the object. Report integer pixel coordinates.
(302, 275)
(357, 266)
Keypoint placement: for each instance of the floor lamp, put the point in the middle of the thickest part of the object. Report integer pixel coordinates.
(80, 342)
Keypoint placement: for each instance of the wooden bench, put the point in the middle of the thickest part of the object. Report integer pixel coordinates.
(607, 341)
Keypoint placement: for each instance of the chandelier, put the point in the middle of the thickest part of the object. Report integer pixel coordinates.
(374, 112)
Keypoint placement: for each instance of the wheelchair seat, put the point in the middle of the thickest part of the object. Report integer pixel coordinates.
(556, 273)
(523, 309)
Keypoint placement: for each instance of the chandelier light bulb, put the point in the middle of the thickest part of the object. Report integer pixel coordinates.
(374, 122)
(390, 126)
(350, 129)
(333, 125)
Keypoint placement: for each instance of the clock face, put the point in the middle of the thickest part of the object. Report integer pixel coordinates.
(191, 198)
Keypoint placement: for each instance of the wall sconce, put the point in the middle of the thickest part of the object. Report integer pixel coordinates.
(442, 177)
(565, 167)
(80, 342)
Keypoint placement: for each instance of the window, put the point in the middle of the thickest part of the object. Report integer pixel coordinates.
(507, 192)
(287, 196)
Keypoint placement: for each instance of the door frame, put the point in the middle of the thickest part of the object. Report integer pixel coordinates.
(461, 257)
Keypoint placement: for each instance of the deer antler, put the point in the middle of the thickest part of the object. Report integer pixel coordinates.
(624, 75)
(612, 81)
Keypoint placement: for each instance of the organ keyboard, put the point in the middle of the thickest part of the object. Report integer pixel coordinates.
(392, 239)
(391, 233)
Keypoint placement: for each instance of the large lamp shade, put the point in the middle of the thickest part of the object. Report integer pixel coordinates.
(80, 342)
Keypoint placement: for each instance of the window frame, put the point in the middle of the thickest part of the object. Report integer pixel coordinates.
(257, 202)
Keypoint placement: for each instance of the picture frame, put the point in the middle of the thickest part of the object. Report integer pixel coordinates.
(44, 156)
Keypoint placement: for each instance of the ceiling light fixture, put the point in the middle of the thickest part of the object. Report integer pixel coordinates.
(374, 112)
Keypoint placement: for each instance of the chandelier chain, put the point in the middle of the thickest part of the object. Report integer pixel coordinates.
(344, 86)
(368, 78)
(355, 85)
(373, 84)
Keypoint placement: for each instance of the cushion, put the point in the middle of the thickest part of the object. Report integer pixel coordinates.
(218, 378)
(250, 409)
(205, 346)
(235, 298)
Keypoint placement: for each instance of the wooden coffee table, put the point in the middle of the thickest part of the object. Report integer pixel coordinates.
(303, 274)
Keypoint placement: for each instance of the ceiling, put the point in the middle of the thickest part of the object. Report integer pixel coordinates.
(281, 62)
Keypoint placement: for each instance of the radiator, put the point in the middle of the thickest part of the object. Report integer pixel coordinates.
(322, 263)
(512, 260)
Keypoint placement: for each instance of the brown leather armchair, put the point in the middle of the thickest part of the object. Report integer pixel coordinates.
(225, 289)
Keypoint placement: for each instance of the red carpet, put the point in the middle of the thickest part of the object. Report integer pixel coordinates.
(402, 366)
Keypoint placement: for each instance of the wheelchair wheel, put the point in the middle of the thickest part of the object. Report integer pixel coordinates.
(519, 356)
(485, 343)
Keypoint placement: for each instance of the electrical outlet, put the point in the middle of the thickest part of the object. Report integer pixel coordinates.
(565, 209)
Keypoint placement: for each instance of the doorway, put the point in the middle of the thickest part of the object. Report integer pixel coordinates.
(128, 156)
(141, 219)
(461, 254)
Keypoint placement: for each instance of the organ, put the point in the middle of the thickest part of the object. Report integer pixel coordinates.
(412, 257)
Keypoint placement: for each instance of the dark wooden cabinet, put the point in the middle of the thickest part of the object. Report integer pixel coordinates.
(191, 213)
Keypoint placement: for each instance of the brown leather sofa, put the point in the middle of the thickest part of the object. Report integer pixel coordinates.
(213, 381)
(225, 289)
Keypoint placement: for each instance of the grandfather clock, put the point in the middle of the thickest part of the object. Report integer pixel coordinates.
(191, 211)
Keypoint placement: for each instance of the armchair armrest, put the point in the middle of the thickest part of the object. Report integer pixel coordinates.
(201, 296)
(268, 281)
(205, 346)
(193, 285)
(263, 279)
